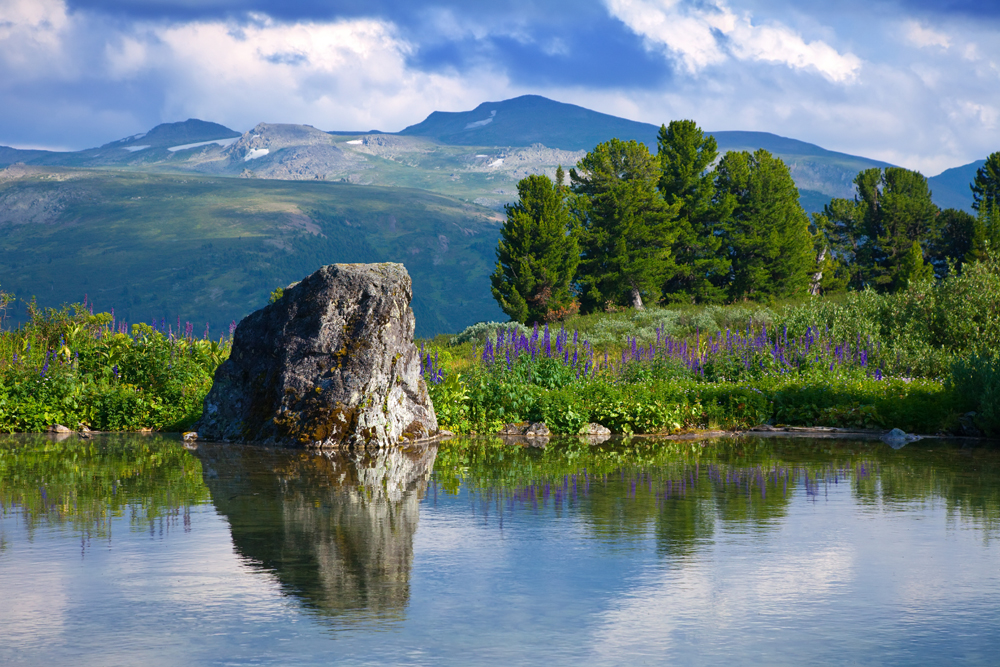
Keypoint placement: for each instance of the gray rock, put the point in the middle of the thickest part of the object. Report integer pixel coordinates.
(330, 364)
(897, 438)
(526, 429)
(595, 429)
(594, 434)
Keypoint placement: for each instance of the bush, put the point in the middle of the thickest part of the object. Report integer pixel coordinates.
(976, 382)
(68, 366)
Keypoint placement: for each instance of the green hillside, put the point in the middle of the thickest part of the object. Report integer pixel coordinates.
(211, 249)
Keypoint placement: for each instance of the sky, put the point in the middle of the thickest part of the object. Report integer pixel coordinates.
(912, 82)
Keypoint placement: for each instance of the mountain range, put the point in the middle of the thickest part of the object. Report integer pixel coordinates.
(200, 221)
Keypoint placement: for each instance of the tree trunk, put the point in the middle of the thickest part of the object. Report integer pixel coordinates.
(637, 299)
(818, 276)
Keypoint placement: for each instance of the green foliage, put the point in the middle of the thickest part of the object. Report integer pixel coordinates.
(626, 228)
(912, 268)
(686, 156)
(962, 239)
(70, 367)
(986, 185)
(976, 381)
(537, 255)
(897, 211)
(840, 231)
(769, 243)
(276, 294)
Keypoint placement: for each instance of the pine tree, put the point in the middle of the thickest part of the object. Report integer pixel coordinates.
(898, 210)
(986, 185)
(769, 243)
(840, 232)
(962, 239)
(537, 255)
(626, 229)
(686, 155)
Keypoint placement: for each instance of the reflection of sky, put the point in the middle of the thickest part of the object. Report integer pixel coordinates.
(831, 582)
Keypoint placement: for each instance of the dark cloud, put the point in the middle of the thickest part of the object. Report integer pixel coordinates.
(603, 54)
(559, 42)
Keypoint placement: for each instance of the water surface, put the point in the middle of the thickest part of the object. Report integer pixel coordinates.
(132, 549)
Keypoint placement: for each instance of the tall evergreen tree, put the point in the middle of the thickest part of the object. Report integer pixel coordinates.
(897, 211)
(626, 229)
(537, 255)
(769, 243)
(686, 155)
(986, 185)
(839, 236)
(962, 239)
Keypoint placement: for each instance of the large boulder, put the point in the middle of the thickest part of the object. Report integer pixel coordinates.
(330, 364)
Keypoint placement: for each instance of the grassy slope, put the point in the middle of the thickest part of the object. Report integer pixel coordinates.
(211, 249)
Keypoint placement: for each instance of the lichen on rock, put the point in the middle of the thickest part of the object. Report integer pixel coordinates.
(331, 364)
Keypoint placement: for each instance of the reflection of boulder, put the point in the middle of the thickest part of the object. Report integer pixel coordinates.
(335, 528)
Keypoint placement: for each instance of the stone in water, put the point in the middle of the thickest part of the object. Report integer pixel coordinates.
(331, 364)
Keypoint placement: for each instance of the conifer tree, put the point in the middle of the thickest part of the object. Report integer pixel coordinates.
(769, 243)
(537, 255)
(897, 211)
(626, 229)
(839, 235)
(962, 239)
(986, 185)
(912, 268)
(686, 155)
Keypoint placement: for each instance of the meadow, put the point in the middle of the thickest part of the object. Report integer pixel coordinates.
(924, 360)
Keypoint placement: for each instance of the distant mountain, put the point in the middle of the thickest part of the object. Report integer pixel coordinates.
(950, 188)
(527, 120)
(169, 135)
(532, 119)
(10, 155)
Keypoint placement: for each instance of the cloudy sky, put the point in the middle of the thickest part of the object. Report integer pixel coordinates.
(912, 82)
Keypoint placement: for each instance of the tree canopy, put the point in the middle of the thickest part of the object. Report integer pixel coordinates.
(537, 255)
(686, 156)
(769, 243)
(626, 229)
(897, 209)
(986, 185)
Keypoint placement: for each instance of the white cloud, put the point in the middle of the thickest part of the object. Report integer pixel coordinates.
(707, 34)
(31, 38)
(923, 37)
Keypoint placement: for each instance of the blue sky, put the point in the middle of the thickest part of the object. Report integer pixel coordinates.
(912, 82)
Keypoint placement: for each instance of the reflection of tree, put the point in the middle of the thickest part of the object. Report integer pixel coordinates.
(685, 490)
(336, 529)
(86, 483)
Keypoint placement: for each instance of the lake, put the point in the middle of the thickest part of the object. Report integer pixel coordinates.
(131, 549)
